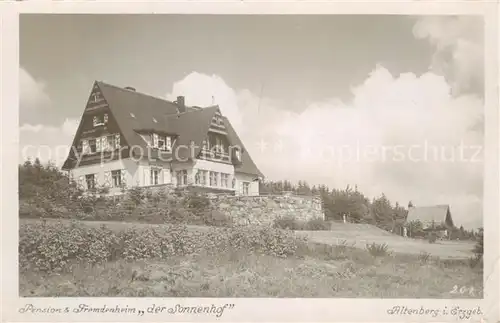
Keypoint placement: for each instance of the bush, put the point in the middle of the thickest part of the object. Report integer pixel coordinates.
(317, 224)
(54, 246)
(290, 223)
(377, 250)
(136, 195)
(287, 223)
(479, 247)
(424, 257)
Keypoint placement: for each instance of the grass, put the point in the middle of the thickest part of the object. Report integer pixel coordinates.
(315, 270)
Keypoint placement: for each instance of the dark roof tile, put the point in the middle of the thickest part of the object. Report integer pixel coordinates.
(190, 127)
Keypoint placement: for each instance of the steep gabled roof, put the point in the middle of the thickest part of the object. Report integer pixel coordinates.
(247, 165)
(136, 112)
(436, 213)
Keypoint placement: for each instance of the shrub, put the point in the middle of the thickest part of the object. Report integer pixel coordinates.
(432, 237)
(53, 246)
(136, 195)
(197, 203)
(317, 224)
(377, 250)
(290, 223)
(424, 257)
(479, 246)
(287, 223)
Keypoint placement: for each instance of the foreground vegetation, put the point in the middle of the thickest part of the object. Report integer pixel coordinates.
(80, 260)
(223, 260)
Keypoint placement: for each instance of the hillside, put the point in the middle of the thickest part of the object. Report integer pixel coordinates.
(358, 235)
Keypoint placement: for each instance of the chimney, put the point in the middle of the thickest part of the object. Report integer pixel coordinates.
(181, 106)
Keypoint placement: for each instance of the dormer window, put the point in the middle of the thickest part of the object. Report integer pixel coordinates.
(237, 154)
(162, 142)
(132, 115)
(95, 97)
(100, 120)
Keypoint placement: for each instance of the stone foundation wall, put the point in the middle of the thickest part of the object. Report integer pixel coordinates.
(260, 210)
(265, 209)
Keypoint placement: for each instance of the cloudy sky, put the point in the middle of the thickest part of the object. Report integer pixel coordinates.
(393, 104)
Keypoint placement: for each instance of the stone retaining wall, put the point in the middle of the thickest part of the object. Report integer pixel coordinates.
(265, 209)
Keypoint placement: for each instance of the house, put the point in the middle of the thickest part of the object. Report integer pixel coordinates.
(126, 138)
(437, 217)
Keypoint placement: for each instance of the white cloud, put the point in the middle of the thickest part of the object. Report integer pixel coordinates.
(32, 95)
(211, 90)
(459, 47)
(385, 112)
(48, 143)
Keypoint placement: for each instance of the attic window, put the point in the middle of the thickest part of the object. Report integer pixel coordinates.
(132, 115)
(162, 142)
(100, 120)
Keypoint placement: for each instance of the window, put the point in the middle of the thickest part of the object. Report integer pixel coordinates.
(168, 144)
(92, 146)
(162, 142)
(213, 179)
(116, 177)
(111, 142)
(181, 176)
(224, 180)
(90, 179)
(237, 153)
(155, 176)
(100, 120)
(246, 188)
(203, 177)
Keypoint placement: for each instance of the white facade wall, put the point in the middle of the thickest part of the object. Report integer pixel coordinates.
(242, 178)
(129, 166)
(138, 173)
(210, 166)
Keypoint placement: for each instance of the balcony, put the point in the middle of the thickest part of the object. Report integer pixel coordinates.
(213, 155)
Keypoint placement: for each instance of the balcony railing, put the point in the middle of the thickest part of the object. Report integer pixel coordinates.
(215, 155)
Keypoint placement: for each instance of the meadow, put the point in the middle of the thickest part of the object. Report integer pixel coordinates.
(81, 258)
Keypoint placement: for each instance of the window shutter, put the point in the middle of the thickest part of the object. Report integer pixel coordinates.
(147, 176)
(98, 145)
(81, 182)
(166, 176)
(168, 144)
(155, 140)
(104, 144)
(123, 178)
(85, 146)
(107, 179)
(96, 181)
(94, 121)
(117, 141)
(105, 118)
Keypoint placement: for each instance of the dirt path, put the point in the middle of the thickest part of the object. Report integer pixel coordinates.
(355, 235)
